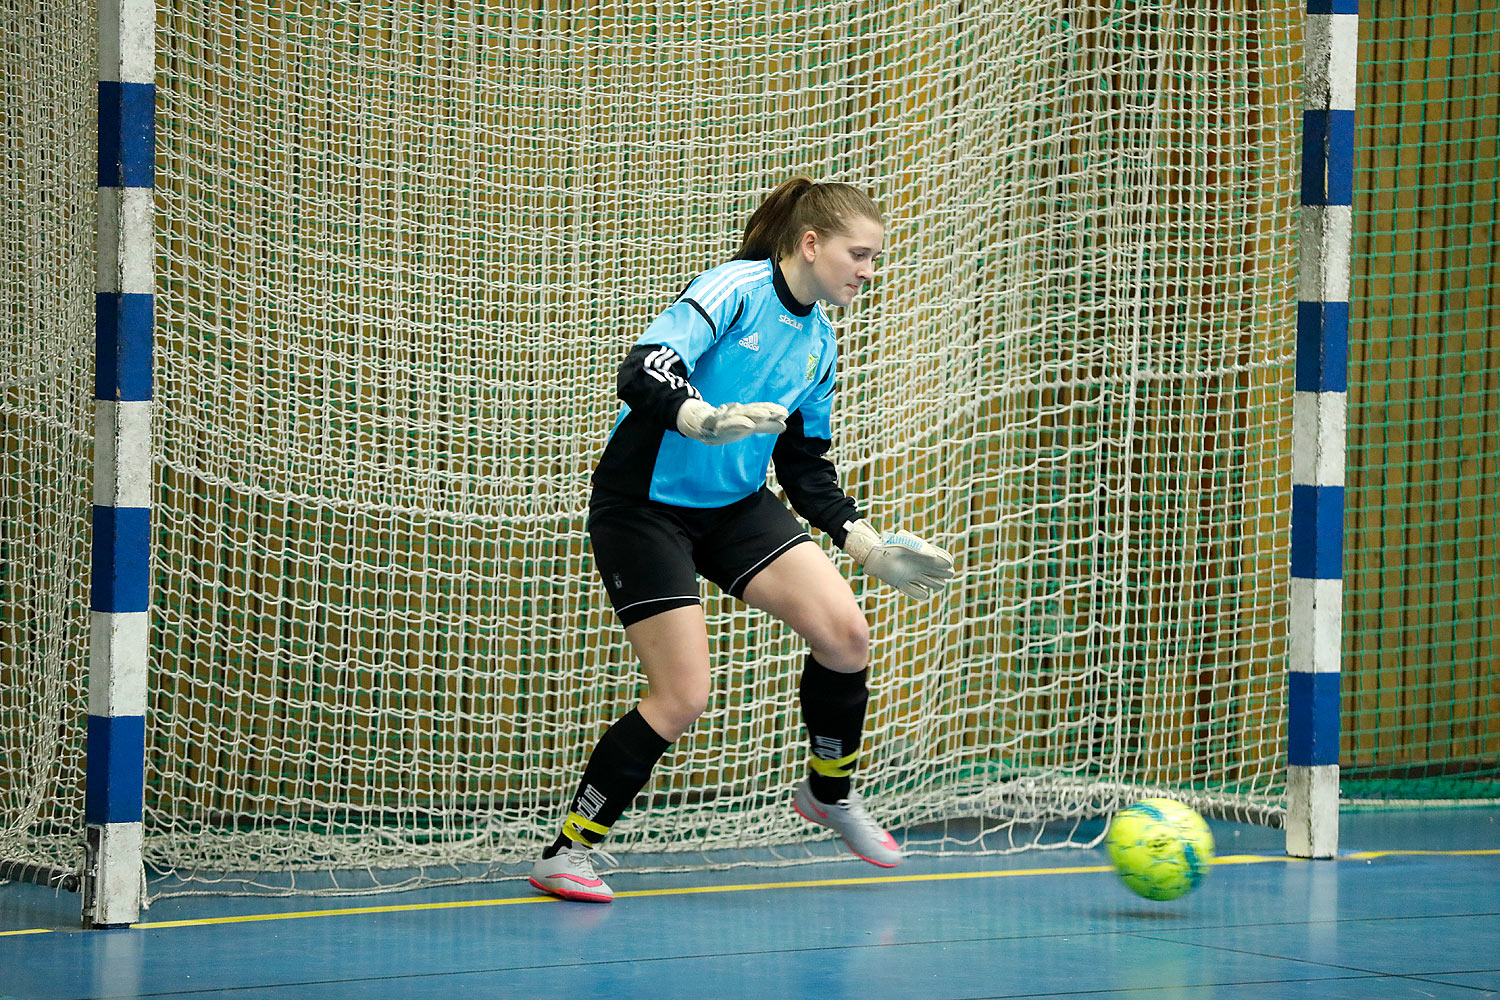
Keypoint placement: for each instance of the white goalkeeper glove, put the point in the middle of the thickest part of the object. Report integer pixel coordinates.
(914, 567)
(730, 422)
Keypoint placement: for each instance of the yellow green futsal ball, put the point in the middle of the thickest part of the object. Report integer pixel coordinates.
(1160, 848)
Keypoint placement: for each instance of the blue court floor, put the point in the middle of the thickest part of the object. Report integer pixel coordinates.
(1411, 908)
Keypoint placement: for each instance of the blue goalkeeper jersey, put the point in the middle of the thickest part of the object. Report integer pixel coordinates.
(735, 335)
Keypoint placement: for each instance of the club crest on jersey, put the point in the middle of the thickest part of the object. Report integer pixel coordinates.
(812, 367)
(752, 342)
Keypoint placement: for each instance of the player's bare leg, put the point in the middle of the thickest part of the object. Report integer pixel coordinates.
(803, 588)
(672, 648)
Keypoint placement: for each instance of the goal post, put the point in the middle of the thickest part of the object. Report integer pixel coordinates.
(1319, 421)
(119, 592)
(396, 258)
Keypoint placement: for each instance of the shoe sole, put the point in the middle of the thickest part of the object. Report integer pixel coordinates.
(878, 864)
(573, 895)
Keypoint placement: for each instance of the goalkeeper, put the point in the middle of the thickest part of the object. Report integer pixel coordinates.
(739, 372)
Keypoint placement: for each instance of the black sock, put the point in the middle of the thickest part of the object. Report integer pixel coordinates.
(617, 770)
(833, 708)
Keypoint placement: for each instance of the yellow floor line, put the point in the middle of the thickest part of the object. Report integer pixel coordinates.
(694, 890)
(1366, 855)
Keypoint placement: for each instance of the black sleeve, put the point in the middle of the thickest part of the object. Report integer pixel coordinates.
(653, 381)
(811, 482)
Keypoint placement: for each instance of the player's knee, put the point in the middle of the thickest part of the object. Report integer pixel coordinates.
(847, 648)
(673, 712)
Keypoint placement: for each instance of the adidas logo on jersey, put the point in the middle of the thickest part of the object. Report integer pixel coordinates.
(752, 342)
(790, 322)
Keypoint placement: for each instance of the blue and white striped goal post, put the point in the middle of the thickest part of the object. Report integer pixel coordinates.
(119, 595)
(1318, 428)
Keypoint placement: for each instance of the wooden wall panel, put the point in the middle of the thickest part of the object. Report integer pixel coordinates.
(1424, 423)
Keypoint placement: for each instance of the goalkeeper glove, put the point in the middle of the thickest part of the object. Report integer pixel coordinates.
(914, 567)
(730, 422)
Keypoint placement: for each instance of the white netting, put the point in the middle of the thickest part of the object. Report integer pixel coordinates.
(401, 255)
(47, 137)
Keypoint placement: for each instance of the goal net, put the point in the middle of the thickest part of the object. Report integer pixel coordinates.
(48, 139)
(400, 255)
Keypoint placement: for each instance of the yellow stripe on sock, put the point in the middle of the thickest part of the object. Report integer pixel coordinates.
(841, 768)
(575, 825)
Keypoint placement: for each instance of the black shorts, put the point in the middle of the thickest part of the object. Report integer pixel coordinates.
(650, 554)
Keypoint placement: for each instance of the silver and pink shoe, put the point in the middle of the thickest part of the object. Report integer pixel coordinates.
(848, 818)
